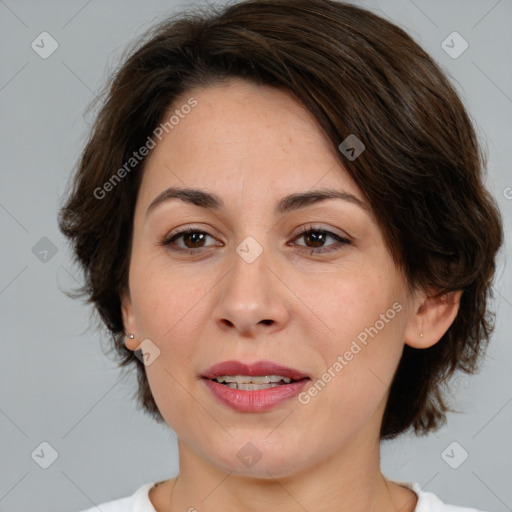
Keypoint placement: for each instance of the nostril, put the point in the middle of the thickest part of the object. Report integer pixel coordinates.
(267, 322)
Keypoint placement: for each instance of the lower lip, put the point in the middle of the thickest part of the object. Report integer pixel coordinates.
(255, 401)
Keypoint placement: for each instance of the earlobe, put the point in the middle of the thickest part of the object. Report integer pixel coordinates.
(434, 314)
(130, 340)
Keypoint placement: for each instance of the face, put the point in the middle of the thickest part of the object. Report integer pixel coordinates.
(305, 284)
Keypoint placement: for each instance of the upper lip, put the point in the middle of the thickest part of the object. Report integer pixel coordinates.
(259, 368)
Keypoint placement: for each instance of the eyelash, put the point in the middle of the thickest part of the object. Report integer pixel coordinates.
(169, 240)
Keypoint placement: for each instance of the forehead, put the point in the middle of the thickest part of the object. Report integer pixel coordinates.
(242, 136)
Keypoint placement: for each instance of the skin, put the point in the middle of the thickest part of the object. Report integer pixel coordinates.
(252, 145)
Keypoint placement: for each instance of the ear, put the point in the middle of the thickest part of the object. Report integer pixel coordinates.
(130, 326)
(433, 315)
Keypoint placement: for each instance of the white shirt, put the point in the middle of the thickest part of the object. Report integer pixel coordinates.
(139, 502)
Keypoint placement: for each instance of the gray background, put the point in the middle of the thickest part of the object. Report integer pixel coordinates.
(57, 386)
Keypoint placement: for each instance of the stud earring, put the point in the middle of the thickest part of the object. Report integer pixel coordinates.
(131, 336)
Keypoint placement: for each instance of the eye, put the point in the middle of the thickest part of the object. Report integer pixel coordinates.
(192, 238)
(316, 238)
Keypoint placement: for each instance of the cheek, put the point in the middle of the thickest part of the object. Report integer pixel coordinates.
(166, 300)
(170, 309)
(365, 315)
(346, 304)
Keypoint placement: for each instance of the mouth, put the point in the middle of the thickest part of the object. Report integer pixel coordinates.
(253, 387)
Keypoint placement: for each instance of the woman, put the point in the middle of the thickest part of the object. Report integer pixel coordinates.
(282, 220)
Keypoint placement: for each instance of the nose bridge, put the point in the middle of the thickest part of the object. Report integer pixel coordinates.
(251, 299)
(249, 280)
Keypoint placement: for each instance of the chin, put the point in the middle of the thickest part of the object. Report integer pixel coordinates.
(264, 470)
(259, 458)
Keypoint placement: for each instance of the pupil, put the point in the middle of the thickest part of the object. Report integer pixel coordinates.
(316, 237)
(196, 238)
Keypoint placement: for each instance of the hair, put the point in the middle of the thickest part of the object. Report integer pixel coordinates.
(357, 73)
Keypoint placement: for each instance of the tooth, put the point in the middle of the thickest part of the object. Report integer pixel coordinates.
(226, 378)
(247, 379)
(262, 379)
(241, 379)
(251, 387)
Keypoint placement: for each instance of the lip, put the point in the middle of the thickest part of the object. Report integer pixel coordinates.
(257, 369)
(254, 401)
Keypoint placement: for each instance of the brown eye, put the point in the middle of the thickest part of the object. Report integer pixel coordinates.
(317, 238)
(190, 239)
(193, 240)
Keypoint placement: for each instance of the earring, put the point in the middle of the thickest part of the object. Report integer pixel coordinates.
(131, 336)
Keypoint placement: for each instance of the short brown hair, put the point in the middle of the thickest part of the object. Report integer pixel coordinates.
(421, 171)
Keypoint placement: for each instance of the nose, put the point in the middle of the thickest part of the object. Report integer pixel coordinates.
(252, 299)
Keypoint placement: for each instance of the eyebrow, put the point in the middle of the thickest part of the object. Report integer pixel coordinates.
(289, 203)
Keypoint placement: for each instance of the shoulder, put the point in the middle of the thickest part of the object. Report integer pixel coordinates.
(137, 502)
(429, 502)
